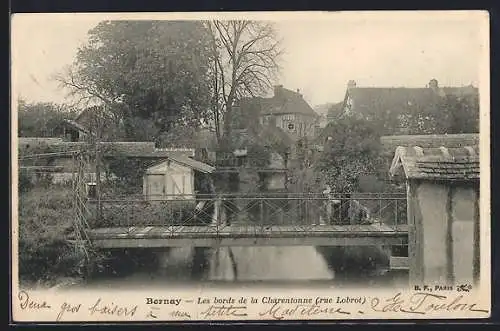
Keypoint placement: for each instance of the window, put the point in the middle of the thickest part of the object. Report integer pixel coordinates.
(291, 126)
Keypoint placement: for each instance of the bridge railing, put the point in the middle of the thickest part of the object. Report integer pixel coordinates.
(252, 209)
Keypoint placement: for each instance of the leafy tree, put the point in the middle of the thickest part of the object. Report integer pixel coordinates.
(463, 114)
(129, 172)
(149, 73)
(352, 149)
(245, 60)
(449, 114)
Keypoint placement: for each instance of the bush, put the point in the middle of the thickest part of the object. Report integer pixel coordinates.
(143, 213)
(45, 220)
(128, 171)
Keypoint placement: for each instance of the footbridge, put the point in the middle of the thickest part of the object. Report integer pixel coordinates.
(269, 219)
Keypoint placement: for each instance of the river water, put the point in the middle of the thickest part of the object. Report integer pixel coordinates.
(335, 266)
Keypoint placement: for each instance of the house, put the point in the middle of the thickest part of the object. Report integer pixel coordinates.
(443, 212)
(393, 104)
(173, 177)
(62, 162)
(286, 110)
(83, 126)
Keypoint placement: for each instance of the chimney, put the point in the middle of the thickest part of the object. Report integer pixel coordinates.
(433, 84)
(277, 90)
(298, 92)
(351, 84)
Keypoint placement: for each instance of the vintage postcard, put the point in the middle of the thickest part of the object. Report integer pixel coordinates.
(250, 166)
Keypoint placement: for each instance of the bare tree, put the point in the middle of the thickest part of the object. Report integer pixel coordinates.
(245, 62)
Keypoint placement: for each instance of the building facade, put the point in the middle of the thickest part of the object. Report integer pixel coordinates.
(443, 212)
(286, 110)
(395, 107)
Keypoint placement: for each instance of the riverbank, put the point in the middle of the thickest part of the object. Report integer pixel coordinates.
(330, 267)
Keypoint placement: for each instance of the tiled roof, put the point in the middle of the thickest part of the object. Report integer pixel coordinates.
(110, 148)
(390, 143)
(442, 163)
(286, 102)
(380, 100)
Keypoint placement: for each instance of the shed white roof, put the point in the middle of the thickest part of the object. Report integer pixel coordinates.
(185, 161)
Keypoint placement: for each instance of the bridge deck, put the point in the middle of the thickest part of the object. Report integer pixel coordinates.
(248, 235)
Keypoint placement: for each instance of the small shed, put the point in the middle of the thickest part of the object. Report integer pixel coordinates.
(172, 177)
(443, 212)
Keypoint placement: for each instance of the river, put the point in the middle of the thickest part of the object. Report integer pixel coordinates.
(335, 266)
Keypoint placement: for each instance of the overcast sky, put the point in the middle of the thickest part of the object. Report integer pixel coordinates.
(323, 52)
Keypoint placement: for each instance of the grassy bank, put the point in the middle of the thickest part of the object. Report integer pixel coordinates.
(45, 220)
(48, 259)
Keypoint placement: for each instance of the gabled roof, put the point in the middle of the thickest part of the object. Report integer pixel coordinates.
(379, 100)
(451, 164)
(84, 121)
(284, 101)
(185, 161)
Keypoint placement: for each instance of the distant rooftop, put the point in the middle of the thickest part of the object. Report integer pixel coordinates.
(379, 100)
(390, 143)
(284, 101)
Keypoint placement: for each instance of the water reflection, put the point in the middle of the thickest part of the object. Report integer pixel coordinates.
(267, 263)
(337, 266)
